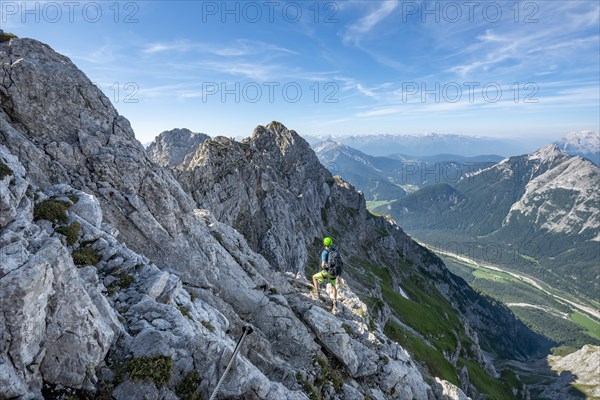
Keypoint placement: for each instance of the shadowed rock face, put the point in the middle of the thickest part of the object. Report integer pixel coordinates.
(161, 270)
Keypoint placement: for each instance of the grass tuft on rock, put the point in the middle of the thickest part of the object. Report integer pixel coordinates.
(85, 256)
(5, 170)
(52, 210)
(309, 388)
(157, 369)
(208, 325)
(185, 312)
(5, 37)
(348, 329)
(74, 198)
(188, 387)
(71, 232)
(125, 280)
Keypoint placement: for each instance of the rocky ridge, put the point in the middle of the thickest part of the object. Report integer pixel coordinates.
(97, 297)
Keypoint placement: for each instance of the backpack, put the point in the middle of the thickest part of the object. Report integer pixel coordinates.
(335, 265)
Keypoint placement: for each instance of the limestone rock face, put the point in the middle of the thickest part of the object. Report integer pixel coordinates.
(60, 321)
(51, 325)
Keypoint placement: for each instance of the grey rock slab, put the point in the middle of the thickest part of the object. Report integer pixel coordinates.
(445, 390)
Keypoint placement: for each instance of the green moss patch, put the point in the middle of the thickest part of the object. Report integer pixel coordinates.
(52, 210)
(312, 391)
(185, 312)
(125, 280)
(156, 369)
(71, 232)
(348, 329)
(329, 374)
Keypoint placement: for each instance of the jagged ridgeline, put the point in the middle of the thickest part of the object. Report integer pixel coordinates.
(120, 277)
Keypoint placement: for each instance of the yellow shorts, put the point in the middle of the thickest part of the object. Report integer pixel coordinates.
(321, 276)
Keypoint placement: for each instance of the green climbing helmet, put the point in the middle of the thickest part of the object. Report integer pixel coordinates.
(327, 241)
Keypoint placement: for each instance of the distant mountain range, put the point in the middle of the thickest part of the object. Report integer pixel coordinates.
(584, 143)
(542, 211)
(389, 178)
(427, 145)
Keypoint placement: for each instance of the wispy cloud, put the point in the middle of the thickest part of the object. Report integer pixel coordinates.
(241, 59)
(105, 54)
(564, 32)
(565, 99)
(240, 47)
(365, 24)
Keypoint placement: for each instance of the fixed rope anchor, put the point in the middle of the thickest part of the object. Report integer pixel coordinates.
(246, 330)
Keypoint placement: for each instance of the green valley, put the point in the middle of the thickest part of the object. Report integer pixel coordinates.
(545, 309)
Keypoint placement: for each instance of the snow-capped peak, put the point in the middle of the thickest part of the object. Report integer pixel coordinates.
(583, 142)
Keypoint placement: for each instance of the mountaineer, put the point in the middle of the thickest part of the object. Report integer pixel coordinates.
(331, 269)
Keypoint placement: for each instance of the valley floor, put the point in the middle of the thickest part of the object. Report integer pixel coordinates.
(569, 321)
(534, 282)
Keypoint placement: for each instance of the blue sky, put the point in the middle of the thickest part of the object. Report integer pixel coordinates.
(527, 70)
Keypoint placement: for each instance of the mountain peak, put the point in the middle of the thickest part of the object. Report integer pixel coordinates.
(277, 136)
(170, 148)
(547, 153)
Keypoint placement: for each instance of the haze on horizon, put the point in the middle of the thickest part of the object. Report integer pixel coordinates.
(527, 71)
